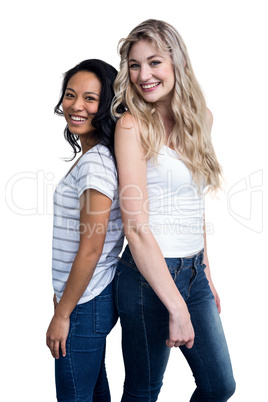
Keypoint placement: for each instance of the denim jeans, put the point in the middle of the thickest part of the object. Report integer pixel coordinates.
(145, 328)
(81, 374)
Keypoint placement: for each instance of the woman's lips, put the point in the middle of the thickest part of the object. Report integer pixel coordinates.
(77, 119)
(150, 86)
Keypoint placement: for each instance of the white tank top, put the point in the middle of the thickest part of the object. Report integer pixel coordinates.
(176, 215)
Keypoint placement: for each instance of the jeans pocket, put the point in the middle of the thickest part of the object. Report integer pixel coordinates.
(105, 314)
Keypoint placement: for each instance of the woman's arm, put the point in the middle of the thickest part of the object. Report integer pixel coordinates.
(208, 273)
(148, 257)
(209, 118)
(95, 210)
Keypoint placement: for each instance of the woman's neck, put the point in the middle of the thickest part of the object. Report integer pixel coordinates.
(87, 144)
(165, 111)
(167, 117)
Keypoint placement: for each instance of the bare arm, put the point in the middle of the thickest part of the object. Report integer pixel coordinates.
(206, 262)
(89, 252)
(208, 273)
(144, 248)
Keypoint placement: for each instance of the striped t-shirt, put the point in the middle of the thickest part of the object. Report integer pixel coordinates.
(95, 170)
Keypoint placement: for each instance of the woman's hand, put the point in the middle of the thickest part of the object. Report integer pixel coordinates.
(181, 331)
(57, 334)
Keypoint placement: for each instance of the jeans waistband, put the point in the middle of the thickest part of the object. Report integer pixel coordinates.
(175, 263)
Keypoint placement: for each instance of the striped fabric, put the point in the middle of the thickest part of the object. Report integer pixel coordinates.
(95, 170)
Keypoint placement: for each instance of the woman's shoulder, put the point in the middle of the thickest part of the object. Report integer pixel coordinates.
(101, 149)
(99, 155)
(126, 121)
(128, 142)
(127, 129)
(98, 149)
(209, 118)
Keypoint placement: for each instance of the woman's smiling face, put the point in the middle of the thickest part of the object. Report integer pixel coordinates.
(81, 102)
(151, 71)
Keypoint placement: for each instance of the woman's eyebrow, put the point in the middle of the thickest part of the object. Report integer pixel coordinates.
(155, 55)
(148, 58)
(85, 93)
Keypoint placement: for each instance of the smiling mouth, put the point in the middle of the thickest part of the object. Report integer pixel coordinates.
(150, 86)
(77, 118)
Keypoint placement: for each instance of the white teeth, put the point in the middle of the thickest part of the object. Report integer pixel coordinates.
(76, 118)
(150, 85)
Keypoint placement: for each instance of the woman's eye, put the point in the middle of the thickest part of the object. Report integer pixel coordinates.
(155, 63)
(90, 98)
(134, 65)
(69, 95)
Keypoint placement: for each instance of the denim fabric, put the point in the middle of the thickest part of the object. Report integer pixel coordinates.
(145, 328)
(81, 374)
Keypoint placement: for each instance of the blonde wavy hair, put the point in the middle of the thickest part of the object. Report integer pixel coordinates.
(190, 137)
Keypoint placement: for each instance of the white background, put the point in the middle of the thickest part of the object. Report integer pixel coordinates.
(227, 43)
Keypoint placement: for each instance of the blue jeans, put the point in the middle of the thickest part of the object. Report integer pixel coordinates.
(145, 328)
(81, 374)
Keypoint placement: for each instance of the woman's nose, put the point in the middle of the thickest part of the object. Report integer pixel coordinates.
(77, 104)
(145, 73)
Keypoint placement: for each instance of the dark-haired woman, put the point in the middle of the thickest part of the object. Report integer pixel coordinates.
(87, 237)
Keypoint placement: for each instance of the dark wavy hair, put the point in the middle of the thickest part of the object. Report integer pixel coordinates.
(102, 121)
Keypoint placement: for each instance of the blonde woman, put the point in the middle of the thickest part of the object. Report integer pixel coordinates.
(164, 291)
